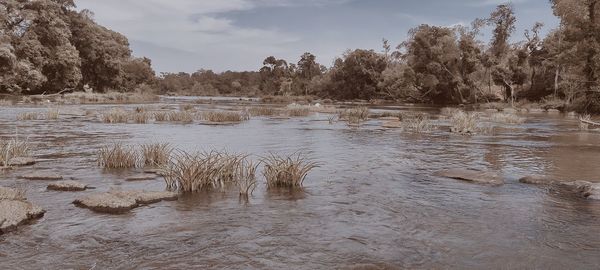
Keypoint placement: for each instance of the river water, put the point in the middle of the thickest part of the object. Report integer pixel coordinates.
(374, 203)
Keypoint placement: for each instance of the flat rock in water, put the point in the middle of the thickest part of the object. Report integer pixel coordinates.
(389, 118)
(474, 176)
(536, 180)
(141, 177)
(14, 213)
(122, 201)
(10, 194)
(21, 161)
(392, 124)
(42, 176)
(67, 186)
(585, 189)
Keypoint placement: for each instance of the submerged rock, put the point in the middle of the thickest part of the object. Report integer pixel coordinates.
(67, 186)
(537, 180)
(474, 176)
(585, 189)
(392, 124)
(15, 210)
(141, 177)
(21, 161)
(42, 176)
(122, 201)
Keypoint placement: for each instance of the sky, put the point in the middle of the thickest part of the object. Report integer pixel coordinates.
(188, 35)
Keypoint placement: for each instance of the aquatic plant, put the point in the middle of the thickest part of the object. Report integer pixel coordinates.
(12, 148)
(115, 115)
(141, 117)
(223, 116)
(355, 115)
(464, 123)
(507, 118)
(298, 111)
(156, 154)
(181, 116)
(161, 116)
(186, 107)
(419, 123)
(245, 175)
(117, 156)
(27, 116)
(287, 171)
(52, 114)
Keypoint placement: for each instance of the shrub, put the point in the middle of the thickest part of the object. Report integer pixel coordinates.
(117, 156)
(222, 116)
(115, 115)
(156, 154)
(287, 171)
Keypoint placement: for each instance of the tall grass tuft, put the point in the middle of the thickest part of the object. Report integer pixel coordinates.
(115, 115)
(464, 123)
(141, 117)
(263, 111)
(118, 156)
(156, 154)
(287, 171)
(222, 116)
(161, 116)
(27, 116)
(186, 107)
(181, 116)
(246, 177)
(418, 124)
(298, 111)
(355, 115)
(52, 114)
(507, 118)
(13, 148)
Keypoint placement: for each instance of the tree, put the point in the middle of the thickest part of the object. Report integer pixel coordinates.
(357, 75)
(308, 68)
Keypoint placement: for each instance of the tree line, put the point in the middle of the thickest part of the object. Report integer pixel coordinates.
(47, 47)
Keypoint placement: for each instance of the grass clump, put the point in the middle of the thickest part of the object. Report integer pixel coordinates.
(181, 116)
(141, 117)
(418, 124)
(161, 116)
(464, 123)
(507, 118)
(355, 115)
(115, 115)
(186, 107)
(52, 114)
(298, 111)
(156, 154)
(117, 156)
(290, 171)
(222, 116)
(26, 116)
(202, 171)
(13, 148)
(246, 177)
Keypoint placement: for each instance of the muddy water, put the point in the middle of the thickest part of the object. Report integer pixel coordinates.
(374, 202)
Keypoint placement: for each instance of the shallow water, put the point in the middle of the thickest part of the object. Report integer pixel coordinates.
(374, 201)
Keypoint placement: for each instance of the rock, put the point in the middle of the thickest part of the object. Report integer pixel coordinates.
(536, 180)
(15, 210)
(21, 161)
(42, 176)
(585, 189)
(122, 201)
(392, 124)
(11, 194)
(67, 186)
(141, 177)
(474, 176)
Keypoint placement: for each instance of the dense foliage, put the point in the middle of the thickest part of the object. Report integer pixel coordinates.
(48, 47)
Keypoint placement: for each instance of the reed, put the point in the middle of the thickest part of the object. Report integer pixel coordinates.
(156, 154)
(355, 115)
(26, 116)
(118, 156)
(181, 116)
(223, 116)
(115, 115)
(186, 107)
(141, 117)
(161, 116)
(246, 177)
(507, 118)
(287, 171)
(418, 124)
(298, 111)
(264, 111)
(52, 114)
(464, 123)
(12, 148)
